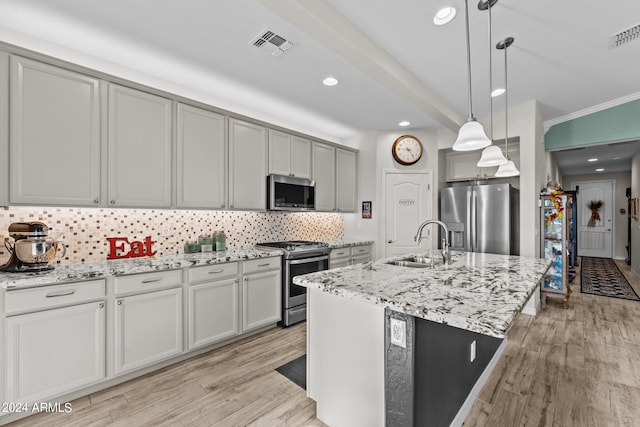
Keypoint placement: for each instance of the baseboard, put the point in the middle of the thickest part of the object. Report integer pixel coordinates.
(475, 391)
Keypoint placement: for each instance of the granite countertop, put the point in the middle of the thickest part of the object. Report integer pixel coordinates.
(76, 272)
(347, 242)
(477, 292)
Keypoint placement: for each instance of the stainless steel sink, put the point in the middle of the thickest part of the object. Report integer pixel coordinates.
(417, 262)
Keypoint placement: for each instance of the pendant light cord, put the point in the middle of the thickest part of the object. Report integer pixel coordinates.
(490, 76)
(506, 107)
(466, 14)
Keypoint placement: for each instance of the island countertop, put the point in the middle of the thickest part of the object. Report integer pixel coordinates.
(477, 292)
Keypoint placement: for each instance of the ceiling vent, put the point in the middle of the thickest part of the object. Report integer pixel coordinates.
(623, 37)
(271, 42)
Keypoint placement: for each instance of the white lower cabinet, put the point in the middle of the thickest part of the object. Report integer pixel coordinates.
(261, 299)
(343, 257)
(213, 304)
(52, 352)
(148, 328)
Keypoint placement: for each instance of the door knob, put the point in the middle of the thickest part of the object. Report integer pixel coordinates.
(390, 241)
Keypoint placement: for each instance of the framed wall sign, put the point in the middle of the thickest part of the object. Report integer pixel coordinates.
(366, 210)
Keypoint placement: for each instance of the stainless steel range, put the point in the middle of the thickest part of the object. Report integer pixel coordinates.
(300, 257)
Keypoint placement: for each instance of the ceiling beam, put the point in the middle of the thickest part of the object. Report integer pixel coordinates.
(329, 27)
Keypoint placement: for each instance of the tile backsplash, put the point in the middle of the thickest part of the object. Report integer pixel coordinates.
(85, 230)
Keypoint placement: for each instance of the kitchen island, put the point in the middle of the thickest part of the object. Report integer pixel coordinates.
(397, 346)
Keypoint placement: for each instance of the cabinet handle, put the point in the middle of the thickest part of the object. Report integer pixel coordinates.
(96, 201)
(101, 305)
(264, 265)
(339, 253)
(222, 205)
(119, 302)
(60, 293)
(231, 206)
(113, 202)
(246, 279)
(216, 271)
(157, 279)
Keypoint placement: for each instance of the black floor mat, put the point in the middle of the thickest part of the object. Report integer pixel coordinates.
(296, 371)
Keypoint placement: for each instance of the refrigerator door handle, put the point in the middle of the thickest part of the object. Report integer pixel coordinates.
(474, 222)
(468, 223)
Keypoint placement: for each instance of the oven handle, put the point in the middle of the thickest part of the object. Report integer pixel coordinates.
(308, 260)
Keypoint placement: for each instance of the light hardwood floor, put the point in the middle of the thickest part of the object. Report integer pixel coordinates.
(574, 367)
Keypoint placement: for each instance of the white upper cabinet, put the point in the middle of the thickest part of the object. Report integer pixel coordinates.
(139, 148)
(324, 174)
(247, 165)
(462, 166)
(55, 135)
(289, 155)
(345, 180)
(4, 129)
(300, 157)
(201, 158)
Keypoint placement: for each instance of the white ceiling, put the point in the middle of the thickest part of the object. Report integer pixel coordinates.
(392, 62)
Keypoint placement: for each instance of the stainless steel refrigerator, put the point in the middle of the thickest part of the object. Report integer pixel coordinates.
(482, 218)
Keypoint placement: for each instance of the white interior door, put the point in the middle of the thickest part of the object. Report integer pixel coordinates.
(407, 205)
(596, 241)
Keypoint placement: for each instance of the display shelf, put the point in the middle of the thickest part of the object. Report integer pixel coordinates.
(555, 246)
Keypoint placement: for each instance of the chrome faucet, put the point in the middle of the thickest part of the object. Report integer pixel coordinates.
(446, 256)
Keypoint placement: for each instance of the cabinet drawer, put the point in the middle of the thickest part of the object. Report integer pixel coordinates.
(261, 264)
(361, 250)
(147, 281)
(340, 253)
(45, 297)
(212, 272)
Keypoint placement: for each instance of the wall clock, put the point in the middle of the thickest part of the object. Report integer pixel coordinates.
(407, 150)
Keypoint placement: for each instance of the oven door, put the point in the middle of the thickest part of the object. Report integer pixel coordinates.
(294, 295)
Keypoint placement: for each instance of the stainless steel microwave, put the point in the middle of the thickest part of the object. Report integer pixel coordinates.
(288, 193)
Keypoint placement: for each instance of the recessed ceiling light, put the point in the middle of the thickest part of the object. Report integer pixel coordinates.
(592, 160)
(600, 170)
(444, 15)
(497, 92)
(404, 123)
(330, 81)
(616, 158)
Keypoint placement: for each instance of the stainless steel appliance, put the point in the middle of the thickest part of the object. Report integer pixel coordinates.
(32, 249)
(300, 257)
(482, 218)
(288, 193)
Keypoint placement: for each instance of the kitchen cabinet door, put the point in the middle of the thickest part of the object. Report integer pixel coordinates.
(4, 129)
(201, 158)
(261, 299)
(139, 171)
(213, 312)
(53, 352)
(148, 328)
(300, 157)
(345, 180)
(247, 165)
(55, 136)
(289, 155)
(462, 165)
(324, 174)
(279, 153)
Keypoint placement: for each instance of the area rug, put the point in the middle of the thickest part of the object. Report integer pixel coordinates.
(296, 371)
(601, 276)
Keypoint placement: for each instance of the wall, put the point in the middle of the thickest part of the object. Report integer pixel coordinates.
(374, 158)
(622, 182)
(635, 224)
(84, 230)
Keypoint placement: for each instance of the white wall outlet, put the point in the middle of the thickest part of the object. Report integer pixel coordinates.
(399, 332)
(472, 353)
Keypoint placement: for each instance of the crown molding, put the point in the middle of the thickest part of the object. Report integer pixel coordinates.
(591, 110)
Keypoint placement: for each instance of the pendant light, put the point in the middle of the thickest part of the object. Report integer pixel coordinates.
(492, 155)
(509, 168)
(471, 135)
